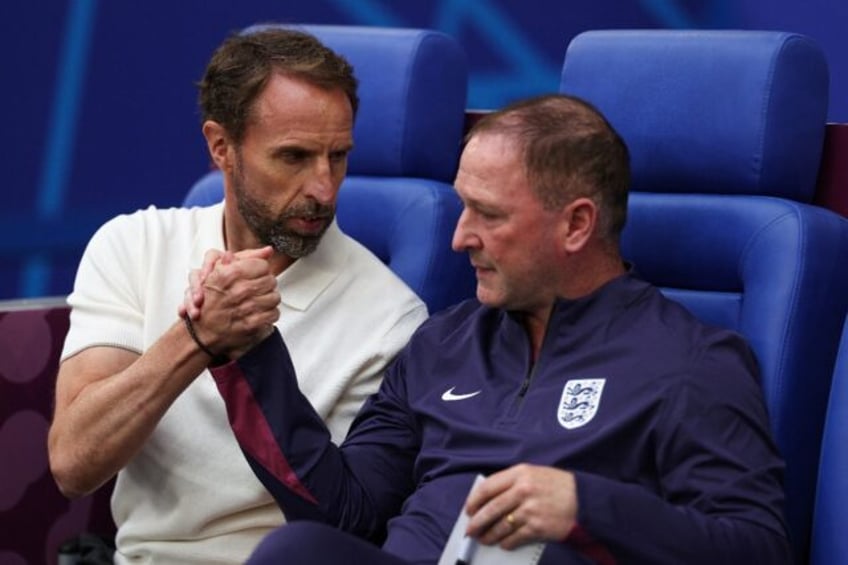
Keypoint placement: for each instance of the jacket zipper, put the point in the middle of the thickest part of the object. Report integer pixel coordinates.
(525, 384)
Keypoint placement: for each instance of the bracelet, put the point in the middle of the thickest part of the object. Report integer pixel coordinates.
(216, 359)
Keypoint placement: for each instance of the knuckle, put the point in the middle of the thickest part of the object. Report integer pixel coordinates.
(524, 488)
(219, 278)
(260, 287)
(531, 528)
(239, 312)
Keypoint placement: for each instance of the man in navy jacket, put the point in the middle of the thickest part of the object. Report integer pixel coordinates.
(609, 422)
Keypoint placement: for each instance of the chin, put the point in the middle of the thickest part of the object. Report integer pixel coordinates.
(489, 298)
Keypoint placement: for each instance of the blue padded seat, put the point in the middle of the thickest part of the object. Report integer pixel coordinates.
(397, 199)
(725, 130)
(830, 542)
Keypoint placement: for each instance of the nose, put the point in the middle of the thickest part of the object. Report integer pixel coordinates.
(322, 185)
(463, 236)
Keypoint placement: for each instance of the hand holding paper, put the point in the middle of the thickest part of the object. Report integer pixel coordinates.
(467, 551)
(523, 504)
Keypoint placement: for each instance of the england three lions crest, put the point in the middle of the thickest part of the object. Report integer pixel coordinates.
(579, 402)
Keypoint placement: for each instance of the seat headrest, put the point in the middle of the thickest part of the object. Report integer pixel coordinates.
(726, 112)
(412, 91)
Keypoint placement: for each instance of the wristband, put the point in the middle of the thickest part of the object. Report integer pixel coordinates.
(216, 359)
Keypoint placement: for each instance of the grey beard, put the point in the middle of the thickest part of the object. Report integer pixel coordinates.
(291, 244)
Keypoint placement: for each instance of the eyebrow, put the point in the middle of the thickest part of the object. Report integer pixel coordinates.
(287, 149)
(479, 205)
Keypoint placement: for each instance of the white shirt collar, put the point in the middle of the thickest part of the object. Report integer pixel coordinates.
(305, 279)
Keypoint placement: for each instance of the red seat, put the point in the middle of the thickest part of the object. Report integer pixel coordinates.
(35, 518)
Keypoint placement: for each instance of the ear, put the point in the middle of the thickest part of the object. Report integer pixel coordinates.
(580, 218)
(221, 148)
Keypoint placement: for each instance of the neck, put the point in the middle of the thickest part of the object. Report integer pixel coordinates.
(536, 326)
(586, 274)
(589, 272)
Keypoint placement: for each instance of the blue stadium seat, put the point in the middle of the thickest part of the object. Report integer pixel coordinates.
(830, 542)
(725, 130)
(397, 199)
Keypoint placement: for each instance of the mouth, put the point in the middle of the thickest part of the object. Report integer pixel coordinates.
(308, 225)
(481, 270)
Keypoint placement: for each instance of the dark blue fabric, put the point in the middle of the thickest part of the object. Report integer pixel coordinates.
(675, 466)
(310, 543)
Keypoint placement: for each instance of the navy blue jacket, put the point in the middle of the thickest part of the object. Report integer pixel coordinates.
(660, 417)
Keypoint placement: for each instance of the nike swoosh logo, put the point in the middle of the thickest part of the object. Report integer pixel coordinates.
(448, 395)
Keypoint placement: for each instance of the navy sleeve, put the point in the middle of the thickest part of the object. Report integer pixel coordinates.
(357, 487)
(721, 495)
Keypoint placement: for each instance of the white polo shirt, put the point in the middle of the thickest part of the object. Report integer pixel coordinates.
(189, 496)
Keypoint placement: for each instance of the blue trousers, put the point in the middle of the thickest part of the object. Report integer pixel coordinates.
(313, 543)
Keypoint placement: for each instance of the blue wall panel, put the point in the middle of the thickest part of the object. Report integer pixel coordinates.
(100, 99)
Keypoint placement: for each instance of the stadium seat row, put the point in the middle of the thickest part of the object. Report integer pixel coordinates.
(725, 130)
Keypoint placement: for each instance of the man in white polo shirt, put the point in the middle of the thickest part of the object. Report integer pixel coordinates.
(133, 395)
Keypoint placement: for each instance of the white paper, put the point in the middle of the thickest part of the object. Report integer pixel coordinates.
(487, 554)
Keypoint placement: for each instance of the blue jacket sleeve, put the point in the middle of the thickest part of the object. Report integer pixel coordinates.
(719, 497)
(357, 487)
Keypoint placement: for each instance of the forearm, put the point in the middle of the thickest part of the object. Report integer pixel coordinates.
(283, 438)
(635, 525)
(109, 402)
(289, 447)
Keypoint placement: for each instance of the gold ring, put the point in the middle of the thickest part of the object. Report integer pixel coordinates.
(510, 519)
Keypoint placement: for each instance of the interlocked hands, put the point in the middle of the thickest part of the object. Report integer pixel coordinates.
(232, 300)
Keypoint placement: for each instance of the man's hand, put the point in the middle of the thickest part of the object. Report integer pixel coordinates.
(193, 299)
(232, 300)
(523, 504)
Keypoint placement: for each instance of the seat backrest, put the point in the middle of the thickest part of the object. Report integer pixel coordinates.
(725, 130)
(397, 199)
(830, 542)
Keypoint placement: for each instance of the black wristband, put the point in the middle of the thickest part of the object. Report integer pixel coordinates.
(216, 359)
